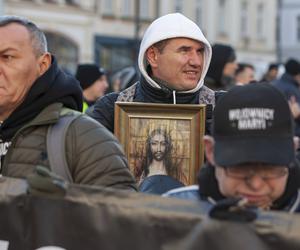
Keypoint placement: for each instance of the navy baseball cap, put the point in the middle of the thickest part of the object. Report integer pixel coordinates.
(253, 123)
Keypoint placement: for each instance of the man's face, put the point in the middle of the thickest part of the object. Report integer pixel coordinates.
(19, 66)
(246, 76)
(297, 79)
(158, 147)
(230, 68)
(98, 88)
(180, 63)
(273, 74)
(259, 191)
(255, 187)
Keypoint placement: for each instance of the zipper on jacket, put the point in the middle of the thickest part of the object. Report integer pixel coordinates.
(174, 97)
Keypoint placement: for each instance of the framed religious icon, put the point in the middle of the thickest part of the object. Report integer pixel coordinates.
(162, 139)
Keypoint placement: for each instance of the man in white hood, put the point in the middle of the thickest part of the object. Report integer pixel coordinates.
(173, 60)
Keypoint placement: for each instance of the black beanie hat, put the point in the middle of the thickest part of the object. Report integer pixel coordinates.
(87, 74)
(292, 67)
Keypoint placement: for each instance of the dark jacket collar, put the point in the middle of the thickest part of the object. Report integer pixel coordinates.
(287, 78)
(147, 93)
(54, 86)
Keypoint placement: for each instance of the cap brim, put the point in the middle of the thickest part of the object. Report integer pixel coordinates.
(235, 151)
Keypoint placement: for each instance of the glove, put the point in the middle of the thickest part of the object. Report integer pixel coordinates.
(233, 209)
(46, 183)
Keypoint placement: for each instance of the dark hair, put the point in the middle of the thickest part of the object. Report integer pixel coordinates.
(38, 39)
(231, 57)
(292, 67)
(161, 45)
(273, 66)
(149, 157)
(242, 66)
(221, 55)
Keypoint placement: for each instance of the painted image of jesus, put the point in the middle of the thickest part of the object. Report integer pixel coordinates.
(158, 159)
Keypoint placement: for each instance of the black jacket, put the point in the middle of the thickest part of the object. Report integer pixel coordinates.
(103, 110)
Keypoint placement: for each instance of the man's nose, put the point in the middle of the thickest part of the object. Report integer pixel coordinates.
(255, 182)
(195, 58)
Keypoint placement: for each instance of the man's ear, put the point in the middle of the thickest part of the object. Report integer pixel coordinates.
(151, 55)
(209, 144)
(44, 62)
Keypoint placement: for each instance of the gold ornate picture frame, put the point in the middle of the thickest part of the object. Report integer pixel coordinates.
(182, 128)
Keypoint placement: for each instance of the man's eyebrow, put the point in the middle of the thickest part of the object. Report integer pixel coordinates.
(7, 50)
(181, 48)
(185, 48)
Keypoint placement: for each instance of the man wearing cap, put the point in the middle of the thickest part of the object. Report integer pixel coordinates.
(251, 151)
(93, 82)
(289, 84)
(173, 61)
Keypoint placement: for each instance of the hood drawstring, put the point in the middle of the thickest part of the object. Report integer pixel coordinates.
(174, 97)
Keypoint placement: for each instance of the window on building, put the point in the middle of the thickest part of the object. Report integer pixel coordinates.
(115, 53)
(244, 20)
(107, 7)
(178, 6)
(65, 51)
(199, 7)
(51, 1)
(221, 17)
(73, 2)
(144, 9)
(260, 21)
(298, 29)
(126, 8)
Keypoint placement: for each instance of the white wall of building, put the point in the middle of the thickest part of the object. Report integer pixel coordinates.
(73, 24)
(81, 25)
(289, 29)
(1, 7)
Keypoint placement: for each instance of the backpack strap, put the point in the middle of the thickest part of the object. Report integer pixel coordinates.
(127, 94)
(56, 136)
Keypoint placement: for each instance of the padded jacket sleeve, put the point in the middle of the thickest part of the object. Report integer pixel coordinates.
(95, 156)
(103, 110)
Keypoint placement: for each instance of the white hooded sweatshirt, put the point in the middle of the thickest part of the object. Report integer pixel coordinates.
(172, 26)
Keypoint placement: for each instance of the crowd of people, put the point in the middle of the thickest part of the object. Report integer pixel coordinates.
(252, 126)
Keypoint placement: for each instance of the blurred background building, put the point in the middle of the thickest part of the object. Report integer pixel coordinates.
(108, 31)
(289, 28)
